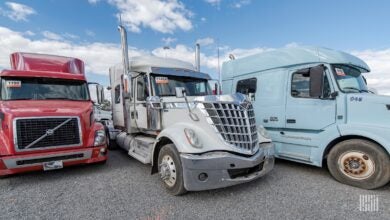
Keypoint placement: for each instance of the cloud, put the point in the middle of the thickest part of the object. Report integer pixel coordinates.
(240, 3)
(233, 3)
(379, 62)
(169, 40)
(17, 12)
(98, 57)
(71, 36)
(159, 15)
(51, 36)
(90, 33)
(214, 2)
(93, 1)
(29, 33)
(205, 41)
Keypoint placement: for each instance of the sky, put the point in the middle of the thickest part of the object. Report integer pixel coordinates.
(87, 29)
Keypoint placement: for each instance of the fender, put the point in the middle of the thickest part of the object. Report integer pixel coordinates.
(330, 134)
(374, 133)
(176, 134)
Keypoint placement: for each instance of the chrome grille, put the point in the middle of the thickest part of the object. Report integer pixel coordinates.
(235, 123)
(37, 133)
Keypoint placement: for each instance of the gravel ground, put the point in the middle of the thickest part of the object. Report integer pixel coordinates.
(124, 189)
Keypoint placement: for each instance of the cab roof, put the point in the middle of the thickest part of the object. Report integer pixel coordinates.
(287, 57)
(163, 66)
(43, 65)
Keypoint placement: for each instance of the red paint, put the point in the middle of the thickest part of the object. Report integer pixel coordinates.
(46, 66)
(46, 63)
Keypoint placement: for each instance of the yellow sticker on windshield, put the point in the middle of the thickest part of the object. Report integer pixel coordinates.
(340, 72)
(162, 80)
(13, 84)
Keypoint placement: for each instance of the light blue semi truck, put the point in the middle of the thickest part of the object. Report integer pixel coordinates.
(316, 106)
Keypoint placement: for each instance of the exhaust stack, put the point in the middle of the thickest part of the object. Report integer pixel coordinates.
(126, 80)
(125, 52)
(197, 57)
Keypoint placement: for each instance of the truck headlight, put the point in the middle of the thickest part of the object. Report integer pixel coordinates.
(263, 132)
(192, 138)
(100, 138)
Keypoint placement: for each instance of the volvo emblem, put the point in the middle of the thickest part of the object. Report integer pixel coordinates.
(49, 132)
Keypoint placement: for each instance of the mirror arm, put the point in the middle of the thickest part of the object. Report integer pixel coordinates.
(193, 116)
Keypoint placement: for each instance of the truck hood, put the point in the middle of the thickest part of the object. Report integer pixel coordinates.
(25, 108)
(367, 108)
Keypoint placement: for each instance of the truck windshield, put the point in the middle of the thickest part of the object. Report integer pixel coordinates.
(43, 89)
(349, 79)
(165, 85)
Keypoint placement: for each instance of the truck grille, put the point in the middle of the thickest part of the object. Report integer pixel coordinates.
(36, 133)
(235, 123)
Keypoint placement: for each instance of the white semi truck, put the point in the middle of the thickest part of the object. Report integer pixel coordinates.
(167, 117)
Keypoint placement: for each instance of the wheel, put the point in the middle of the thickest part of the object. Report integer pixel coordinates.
(359, 163)
(170, 170)
(111, 144)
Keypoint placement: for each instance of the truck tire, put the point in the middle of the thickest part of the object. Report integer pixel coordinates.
(171, 170)
(111, 144)
(359, 163)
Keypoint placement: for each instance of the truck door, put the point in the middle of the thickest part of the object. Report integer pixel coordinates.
(116, 97)
(307, 118)
(140, 101)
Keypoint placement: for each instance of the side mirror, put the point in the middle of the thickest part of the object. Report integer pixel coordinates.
(316, 81)
(180, 92)
(126, 87)
(94, 92)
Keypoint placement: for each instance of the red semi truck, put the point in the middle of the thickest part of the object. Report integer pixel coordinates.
(46, 115)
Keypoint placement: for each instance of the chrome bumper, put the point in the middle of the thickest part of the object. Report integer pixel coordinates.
(224, 169)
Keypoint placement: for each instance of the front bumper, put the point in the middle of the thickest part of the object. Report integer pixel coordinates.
(224, 169)
(33, 162)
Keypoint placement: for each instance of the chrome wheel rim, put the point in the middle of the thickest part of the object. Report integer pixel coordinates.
(356, 165)
(168, 170)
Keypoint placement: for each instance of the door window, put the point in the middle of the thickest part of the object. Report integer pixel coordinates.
(117, 94)
(142, 88)
(300, 86)
(247, 86)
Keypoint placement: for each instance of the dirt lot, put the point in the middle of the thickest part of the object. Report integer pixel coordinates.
(124, 189)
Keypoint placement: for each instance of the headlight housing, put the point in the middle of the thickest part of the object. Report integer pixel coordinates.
(100, 138)
(192, 138)
(263, 132)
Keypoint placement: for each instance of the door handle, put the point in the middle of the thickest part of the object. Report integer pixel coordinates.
(291, 121)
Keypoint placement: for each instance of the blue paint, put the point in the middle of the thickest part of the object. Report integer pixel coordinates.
(306, 126)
